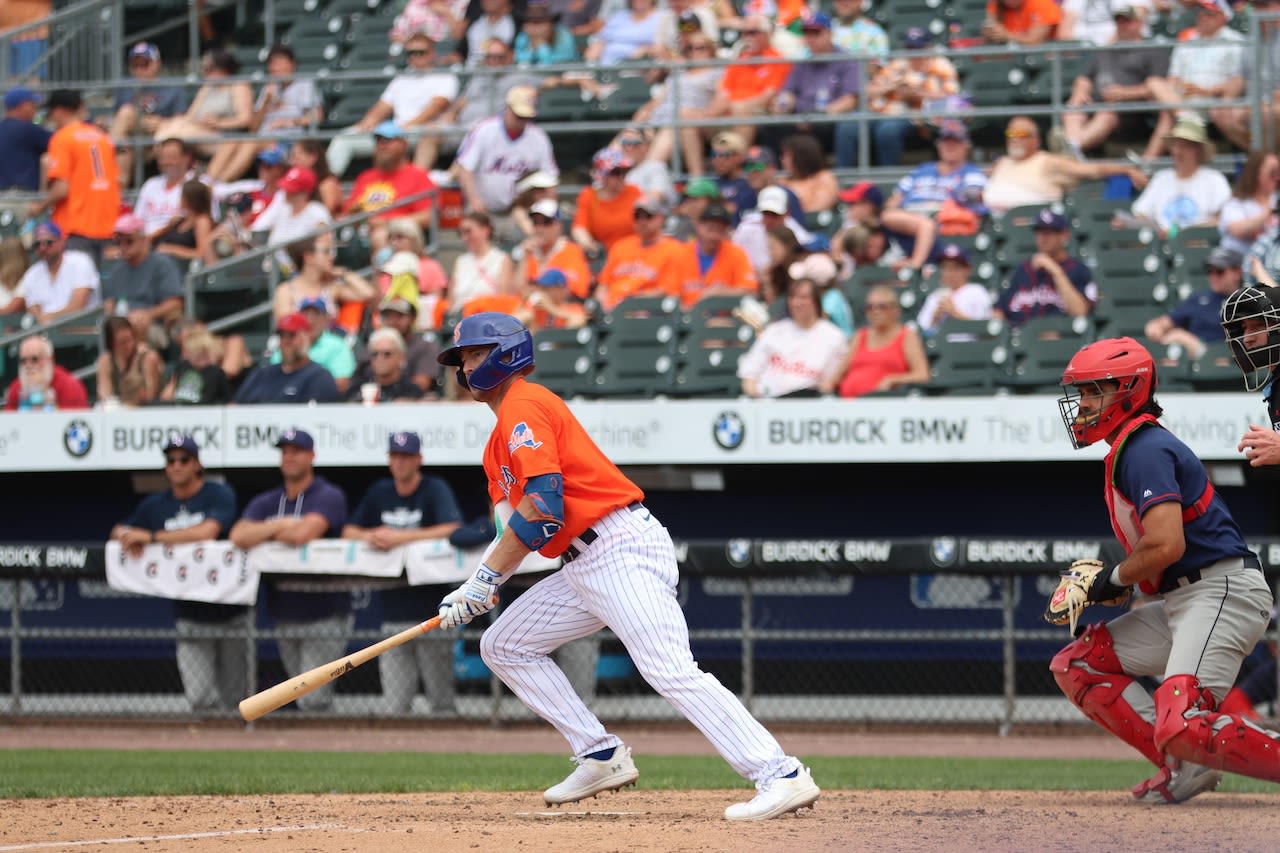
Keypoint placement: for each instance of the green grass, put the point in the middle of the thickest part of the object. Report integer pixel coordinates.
(101, 773)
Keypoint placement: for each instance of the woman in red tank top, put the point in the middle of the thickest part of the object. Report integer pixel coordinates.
(885, 353)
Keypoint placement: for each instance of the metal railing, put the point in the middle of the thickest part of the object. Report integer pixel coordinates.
(81, 42)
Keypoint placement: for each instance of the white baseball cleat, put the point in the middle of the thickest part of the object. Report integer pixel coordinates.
(1177, 783)
(777, 797)
(593, 776)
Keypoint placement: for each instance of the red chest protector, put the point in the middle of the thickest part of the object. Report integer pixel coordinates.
(1124, 515)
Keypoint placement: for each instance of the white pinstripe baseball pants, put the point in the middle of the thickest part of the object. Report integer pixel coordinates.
(625, 580)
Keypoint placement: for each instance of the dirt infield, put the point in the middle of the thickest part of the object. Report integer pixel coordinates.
(634, 820)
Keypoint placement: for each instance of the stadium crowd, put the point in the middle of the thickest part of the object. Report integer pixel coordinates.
(763, 213)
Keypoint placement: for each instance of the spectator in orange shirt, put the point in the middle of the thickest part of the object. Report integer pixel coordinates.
(710, 264)
(644, 262)
(746, 90)
(84, 183)
(603, 213)
(549, 247)
(1021, 21)
(549, 305)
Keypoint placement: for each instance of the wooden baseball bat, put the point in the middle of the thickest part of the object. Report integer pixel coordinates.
(268, 700)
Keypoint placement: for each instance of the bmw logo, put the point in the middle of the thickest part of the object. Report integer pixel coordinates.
(943, 551)
(77, 438)
(738, 551)
(729, 430)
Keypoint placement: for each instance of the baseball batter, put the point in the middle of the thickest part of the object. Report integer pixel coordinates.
(1210, 603)
(560, 495)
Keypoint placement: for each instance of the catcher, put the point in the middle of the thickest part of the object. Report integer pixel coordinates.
(1210, 601)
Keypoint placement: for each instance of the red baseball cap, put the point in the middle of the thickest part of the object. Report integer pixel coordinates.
(299, 179)
(295, 322)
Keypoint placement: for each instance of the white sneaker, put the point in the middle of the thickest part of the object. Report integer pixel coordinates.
(777, 797)
(1176, 783)
(594, 776)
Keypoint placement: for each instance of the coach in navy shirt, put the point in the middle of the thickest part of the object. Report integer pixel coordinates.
(194, 510)
(410, 506)
(22, 141)
(305, 508)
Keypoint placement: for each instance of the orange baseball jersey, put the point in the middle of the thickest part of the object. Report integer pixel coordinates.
(85, 157)
(537, 434)
(632, 267)
(741, 82)
(1032, 13)
(570, 260)
(731, 268)
(607, 221)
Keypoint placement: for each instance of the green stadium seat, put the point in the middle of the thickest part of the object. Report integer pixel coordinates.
(962, 357)
(565, 360)
(1040, 348)
(1215, 370)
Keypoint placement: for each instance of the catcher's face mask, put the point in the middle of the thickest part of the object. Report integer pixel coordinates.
(1251, 323)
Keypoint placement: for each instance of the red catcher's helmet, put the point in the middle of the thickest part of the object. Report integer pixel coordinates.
(1123, 361)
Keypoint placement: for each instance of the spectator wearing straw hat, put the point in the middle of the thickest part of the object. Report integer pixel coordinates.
(1191, 192)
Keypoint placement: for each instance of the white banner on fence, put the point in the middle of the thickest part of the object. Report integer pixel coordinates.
(327, 557)
(213, 572)
(669, 432)
(437, 562)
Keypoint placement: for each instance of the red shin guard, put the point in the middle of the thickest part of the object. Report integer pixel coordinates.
(1186, 723)
(1090, 674)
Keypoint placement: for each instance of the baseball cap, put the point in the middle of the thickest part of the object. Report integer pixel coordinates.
(402, 263)
(953, 129)
(546, 207)
(1124, 10)
(730, 140)
(314, 303)
(129, 223)
(688, 22)
(404, 442)
(538, 12)
(701, 188)
(816, 21)
(48, 231)
(181, 441)
(523, 101)
(273, 155)
(19, 95)
(299, 179)
(716, 213)
(952, 252)
(1222, 7)
(1224, 257)
(863, 191)
(145, 50)
(551, 277)
(539, 180)
(916, 37)
(398, 305)
(388, 130)
(294, 437)
(1049, 220)
(652, 204)
(295, 322)
(772, 200)
(818, 268)
(761, 155)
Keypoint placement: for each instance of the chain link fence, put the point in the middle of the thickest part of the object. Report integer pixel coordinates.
(943, 631)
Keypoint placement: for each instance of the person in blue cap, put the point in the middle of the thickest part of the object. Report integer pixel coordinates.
(410, 506)
(1050, 281)
(314, 624)
(23, 141)
(139, 109)
(211, 649)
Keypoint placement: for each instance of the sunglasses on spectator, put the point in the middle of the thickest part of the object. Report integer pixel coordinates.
(541, 220)
(754, 167)
(630, 141)
(641, 213)
(1215, 270)
(40, 244)
(698, 48)
(31, 359)
(880, 306)
(288, 334)
(416, 52)
(723, 153)
(1019, 134)
(178, 460)
(139, 63)
(124, 239)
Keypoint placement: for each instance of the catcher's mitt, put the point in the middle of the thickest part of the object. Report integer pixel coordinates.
(1086, 582)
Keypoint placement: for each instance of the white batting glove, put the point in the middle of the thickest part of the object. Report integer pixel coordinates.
(476, 596)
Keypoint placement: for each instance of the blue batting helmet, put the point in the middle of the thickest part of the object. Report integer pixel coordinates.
(512, 349)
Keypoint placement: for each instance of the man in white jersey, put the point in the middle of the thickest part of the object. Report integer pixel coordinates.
(496, 153)
(414, 98)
